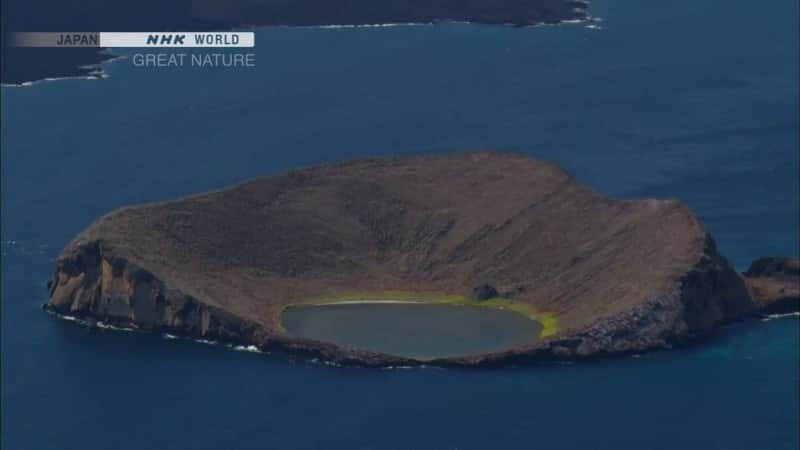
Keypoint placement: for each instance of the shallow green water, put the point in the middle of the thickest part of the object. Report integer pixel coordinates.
(416, 330)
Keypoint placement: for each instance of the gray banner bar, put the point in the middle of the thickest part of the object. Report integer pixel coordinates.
(55, 39)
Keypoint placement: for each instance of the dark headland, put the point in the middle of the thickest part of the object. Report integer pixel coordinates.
(22, 65)
(493, 230)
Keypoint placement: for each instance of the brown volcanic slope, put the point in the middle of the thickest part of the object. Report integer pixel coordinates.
(618, 276)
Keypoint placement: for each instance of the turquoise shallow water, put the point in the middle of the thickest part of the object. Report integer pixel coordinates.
(681, 99)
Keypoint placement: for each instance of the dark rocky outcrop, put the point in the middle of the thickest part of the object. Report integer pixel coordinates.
(616, 276)
(774, 267)
(774, 284)
(484, 292)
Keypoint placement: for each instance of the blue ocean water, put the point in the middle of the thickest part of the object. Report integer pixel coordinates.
(689, 99)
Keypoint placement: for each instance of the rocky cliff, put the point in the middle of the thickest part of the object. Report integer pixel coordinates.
(614, 276)
(774, 284)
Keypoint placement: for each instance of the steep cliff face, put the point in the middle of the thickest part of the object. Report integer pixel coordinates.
(616, 276)
(705, 297)
(91, 282)
(774, 284)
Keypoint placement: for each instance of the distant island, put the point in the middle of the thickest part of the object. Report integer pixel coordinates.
(27, 65)
(575, 274)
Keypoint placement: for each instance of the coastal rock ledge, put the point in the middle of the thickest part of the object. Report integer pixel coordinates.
(610, 276)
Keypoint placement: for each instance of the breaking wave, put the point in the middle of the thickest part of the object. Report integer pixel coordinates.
(769, 317)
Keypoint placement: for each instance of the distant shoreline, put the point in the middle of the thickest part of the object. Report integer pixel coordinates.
(25, 66)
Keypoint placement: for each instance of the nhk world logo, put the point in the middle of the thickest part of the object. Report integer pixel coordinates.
(135, 40)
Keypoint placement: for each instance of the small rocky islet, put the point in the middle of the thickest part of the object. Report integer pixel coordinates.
(483, 229)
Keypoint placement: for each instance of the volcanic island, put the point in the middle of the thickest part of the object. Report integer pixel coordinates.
(458, 259)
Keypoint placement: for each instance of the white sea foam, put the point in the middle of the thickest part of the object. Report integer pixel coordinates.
(98, 73)
(324, 362)
(769, 317)
(68, 318)
(98, 324)
(106, 326)
(44, 80)
(246, 348)
(374, 25)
